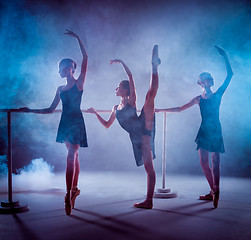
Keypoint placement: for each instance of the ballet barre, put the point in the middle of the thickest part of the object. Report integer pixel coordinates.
(11, 206)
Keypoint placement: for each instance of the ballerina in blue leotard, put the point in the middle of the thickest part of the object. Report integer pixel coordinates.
(141, 128)
(71, 130)
(209, 137)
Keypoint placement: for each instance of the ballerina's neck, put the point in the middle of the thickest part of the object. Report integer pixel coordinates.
(71, 80)
(207, 93)
(124, 100)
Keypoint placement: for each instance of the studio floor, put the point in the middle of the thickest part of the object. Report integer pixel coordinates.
(104, 210)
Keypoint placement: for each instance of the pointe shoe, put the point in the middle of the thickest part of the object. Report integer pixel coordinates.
(147, 204)
(74, 195)
(208, 197)
(216, 197)
(155, 56)
(67, 201)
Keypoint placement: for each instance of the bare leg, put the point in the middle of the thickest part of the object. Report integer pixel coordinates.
(75, 190)
(70, 169)
(151, 94)
(146, 145)
(216, 168)
(205, 166)
(151, 178)
(216, 177)
(72, 151)
(76, 173)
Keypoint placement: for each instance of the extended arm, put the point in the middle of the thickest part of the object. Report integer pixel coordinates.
(81, 78)
(105, 123)
(132, 96)
(230, 73)
(182, 108)
(46, 110)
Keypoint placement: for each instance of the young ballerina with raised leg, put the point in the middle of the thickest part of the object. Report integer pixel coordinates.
(141, 128)
(71, 130)
(209, 137)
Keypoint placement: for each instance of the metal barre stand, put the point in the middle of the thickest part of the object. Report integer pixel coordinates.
(164, 192)
(11, 206)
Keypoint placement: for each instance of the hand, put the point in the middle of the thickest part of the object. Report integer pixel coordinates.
(221, 51)
(116, 61)
(25, 109)
(91, 110)
(70, 33)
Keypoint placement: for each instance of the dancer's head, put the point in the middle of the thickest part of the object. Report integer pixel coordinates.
(123, 90)
(205, 80)
(67, 67)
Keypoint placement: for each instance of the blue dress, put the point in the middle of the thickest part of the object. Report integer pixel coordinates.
(72, 126)
(135, 126)
(209, 136)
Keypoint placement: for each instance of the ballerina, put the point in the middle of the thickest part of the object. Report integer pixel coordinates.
(209, 138)
(71, 130)
(141, 128)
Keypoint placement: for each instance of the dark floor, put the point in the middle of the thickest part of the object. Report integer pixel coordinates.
(104, 210)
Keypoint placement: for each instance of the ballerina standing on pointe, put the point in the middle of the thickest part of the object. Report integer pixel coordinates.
(141, 128)
(71, 130)
(209, 137)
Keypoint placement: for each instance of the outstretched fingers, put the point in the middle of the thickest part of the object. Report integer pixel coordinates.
(91, 110)
(115, 61)
(70, 33)
(220, 50)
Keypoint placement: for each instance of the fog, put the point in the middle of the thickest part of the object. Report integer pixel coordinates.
(36, 176)
(33, 42)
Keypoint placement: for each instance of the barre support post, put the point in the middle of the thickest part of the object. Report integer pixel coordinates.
(9, 157)
(164, 192)
(10, 206)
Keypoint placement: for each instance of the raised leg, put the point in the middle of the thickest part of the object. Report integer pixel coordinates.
(151, 94)
(146, 140)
